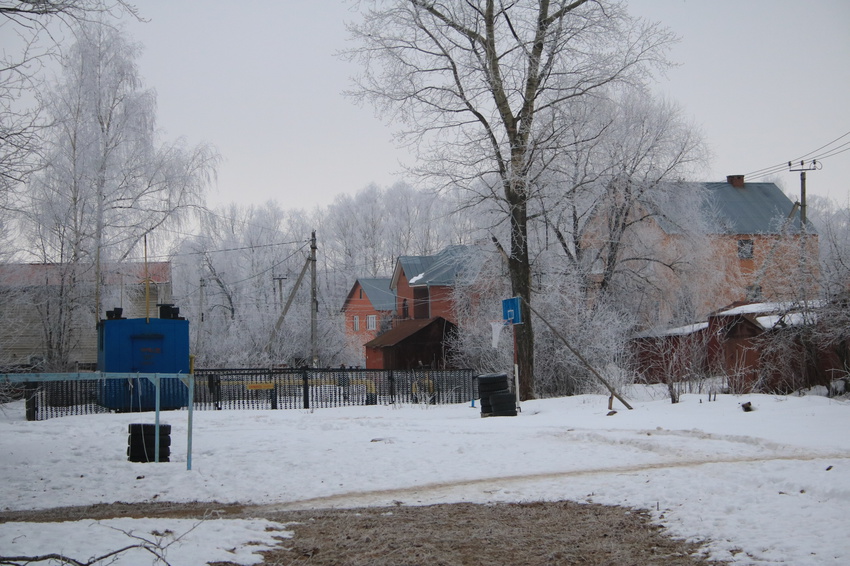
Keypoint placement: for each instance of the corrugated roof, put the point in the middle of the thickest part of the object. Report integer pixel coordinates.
(379, 293)
(415, 266)
(755, 208)
(441, 269)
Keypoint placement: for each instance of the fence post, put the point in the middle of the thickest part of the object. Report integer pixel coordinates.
(31, 392)
(304, 379)
(391, 381)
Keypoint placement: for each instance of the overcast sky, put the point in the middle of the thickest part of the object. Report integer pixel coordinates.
(766, 80)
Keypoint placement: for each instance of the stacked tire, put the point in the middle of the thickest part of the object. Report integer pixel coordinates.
(503, 404)
(495, 397)
(142, 443)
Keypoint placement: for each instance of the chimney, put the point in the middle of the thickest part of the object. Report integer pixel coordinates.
(736, 181)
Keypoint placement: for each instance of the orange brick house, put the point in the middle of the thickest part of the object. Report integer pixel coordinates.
(752, 248)
(421, 317)
(369, 310)
(758, 230)
(768, 266)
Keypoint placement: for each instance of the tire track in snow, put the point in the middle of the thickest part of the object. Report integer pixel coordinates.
(386, 497)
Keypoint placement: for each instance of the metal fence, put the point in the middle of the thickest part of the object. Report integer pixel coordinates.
(228, 389)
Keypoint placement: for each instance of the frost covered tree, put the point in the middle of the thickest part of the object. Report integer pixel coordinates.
(28, 27)
(628, 230)
(232, 279)
(105, 181)
(477, 86)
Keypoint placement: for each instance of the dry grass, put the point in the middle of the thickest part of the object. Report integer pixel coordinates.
(553, 533)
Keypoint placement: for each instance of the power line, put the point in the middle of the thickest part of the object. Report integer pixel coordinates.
(779, 167)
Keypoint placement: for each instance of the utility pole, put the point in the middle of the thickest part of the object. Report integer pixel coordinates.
(813, 165)
(314, 303)
(805, 282)
(279, 294)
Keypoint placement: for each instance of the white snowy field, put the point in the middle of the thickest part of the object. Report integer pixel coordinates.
(770, 486)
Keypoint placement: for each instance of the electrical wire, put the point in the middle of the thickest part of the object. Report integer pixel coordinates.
(764, 172)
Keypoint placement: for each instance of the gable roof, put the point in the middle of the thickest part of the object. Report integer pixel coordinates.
(752, 208)
(379, 293)
(441, 269)
(376, 290)
(755, 208)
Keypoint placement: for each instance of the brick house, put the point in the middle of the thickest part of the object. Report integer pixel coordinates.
(369, 310)
(752, 248)
(758, 230)
(422, 316)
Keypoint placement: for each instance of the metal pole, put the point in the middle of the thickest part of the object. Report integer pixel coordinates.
(156, 420)
(191, 406)
(516, 368)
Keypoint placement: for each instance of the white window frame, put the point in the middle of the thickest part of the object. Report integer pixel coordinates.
(355, 323)
(371, 322)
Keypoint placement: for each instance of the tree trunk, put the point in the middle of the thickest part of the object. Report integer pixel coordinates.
(519, 268)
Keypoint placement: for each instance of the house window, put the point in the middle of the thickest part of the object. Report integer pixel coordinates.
(745, 249)
(754, 293)
(371, 322)
(356, 323)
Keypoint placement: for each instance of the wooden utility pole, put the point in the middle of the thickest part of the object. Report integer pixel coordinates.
(314, 303)
(279, 291)
(813, 165)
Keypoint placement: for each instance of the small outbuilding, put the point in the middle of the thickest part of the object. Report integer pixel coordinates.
(411, 344)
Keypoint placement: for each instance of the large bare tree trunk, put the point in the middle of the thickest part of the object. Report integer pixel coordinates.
(519, 268)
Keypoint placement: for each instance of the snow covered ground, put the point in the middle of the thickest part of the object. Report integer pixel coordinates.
(763, 487)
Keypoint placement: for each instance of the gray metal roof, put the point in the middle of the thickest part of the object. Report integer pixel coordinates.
(440, 269)
(755, 208)
(379, 293)
(415, 265)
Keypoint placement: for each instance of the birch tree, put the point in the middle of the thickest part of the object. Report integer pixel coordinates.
(21, 124)
(474, 85)
(105, 181)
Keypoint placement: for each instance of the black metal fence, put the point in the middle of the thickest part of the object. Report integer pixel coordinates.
(223, 389)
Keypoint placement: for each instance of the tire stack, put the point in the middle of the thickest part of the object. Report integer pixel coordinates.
(142, 443)
(496, 398)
